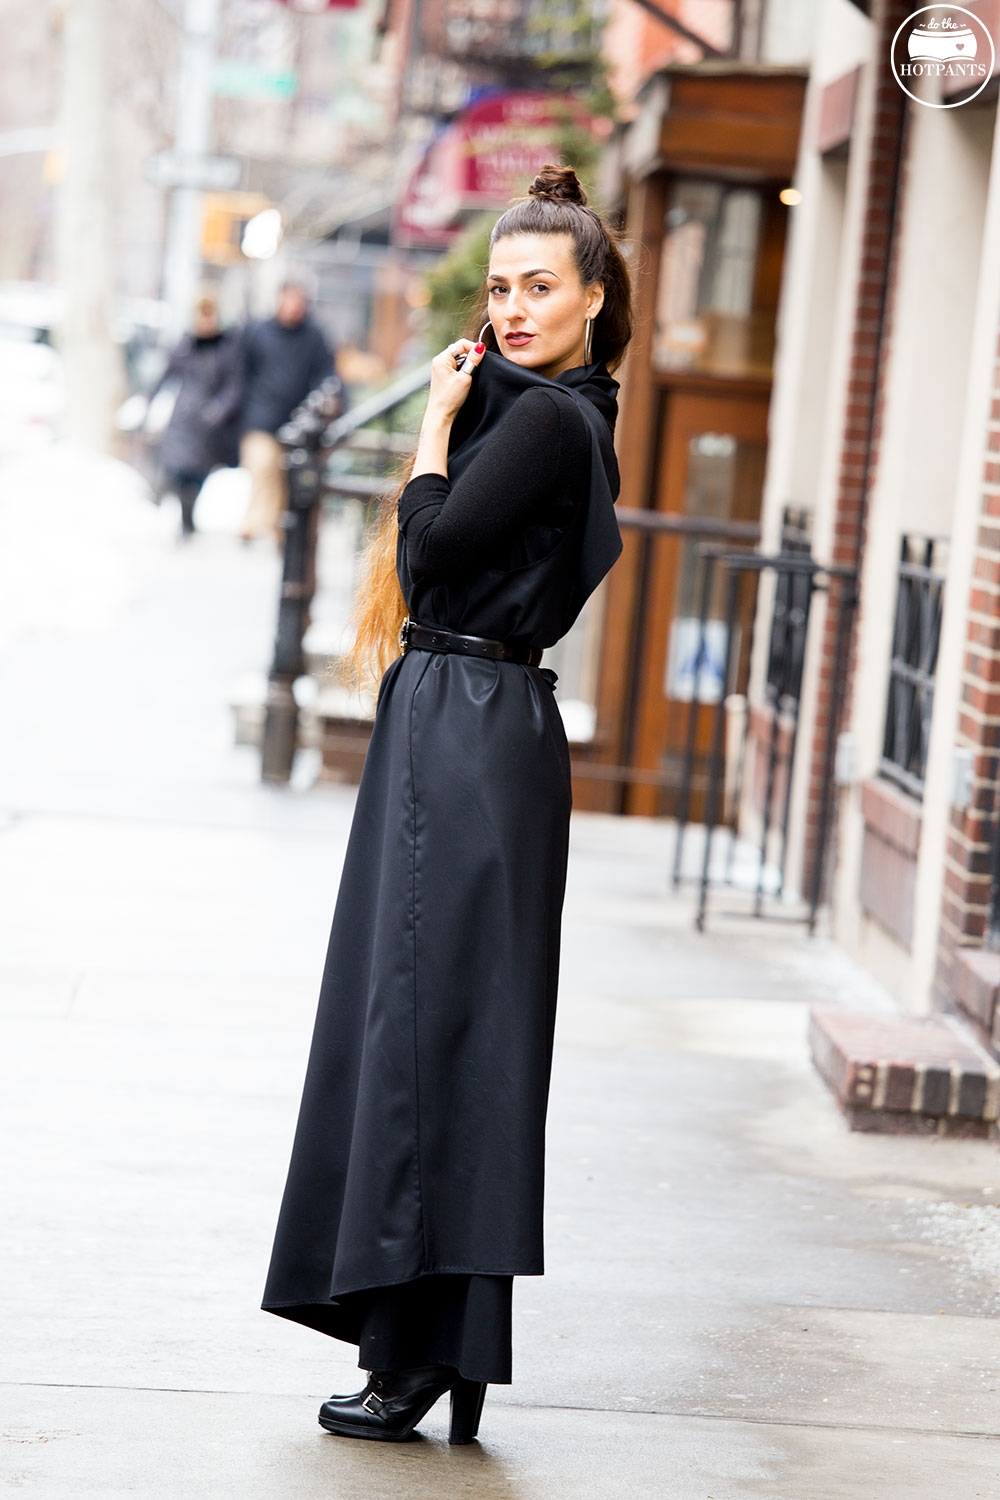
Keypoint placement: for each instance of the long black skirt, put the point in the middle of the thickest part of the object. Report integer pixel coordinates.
(415, 1189)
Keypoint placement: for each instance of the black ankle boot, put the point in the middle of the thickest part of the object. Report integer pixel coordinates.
(394, 1401)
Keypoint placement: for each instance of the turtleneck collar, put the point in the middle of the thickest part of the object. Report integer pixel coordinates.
(599, 386)
(499, 378)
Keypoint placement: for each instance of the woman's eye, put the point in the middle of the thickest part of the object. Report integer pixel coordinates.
(540, 286)
(496, 291)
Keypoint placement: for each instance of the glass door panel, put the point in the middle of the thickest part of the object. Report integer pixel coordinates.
(708, 317)
(711, 468)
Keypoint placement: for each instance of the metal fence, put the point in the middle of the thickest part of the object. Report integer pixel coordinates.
(797, 579)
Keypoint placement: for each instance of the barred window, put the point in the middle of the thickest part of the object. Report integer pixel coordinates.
(916, 635)
(790, 615)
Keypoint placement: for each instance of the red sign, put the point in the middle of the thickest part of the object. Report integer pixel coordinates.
(487, 155)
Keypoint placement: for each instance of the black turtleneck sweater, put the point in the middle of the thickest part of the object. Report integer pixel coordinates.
(529, 471)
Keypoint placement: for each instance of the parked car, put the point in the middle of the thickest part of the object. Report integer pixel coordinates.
(32, 386)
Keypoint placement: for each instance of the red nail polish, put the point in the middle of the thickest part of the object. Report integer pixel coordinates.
(480, 348)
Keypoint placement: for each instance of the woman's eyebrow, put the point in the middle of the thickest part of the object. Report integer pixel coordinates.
(525, 275)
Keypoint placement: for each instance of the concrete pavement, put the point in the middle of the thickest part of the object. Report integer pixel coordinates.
(742, 1299)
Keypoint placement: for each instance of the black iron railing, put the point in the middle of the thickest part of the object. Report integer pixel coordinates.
(317, 434)
(740, 569)
(793, 593)
(915, 640)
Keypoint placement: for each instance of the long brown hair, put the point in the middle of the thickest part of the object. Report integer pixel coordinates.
(556, 203)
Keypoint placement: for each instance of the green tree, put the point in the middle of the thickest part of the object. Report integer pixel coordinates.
(456, 282)
(565, 58)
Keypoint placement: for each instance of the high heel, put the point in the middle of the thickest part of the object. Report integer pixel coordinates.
(467, 1397)
(393, 1402)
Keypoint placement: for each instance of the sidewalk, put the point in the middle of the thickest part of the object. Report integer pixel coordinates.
(742, 1298)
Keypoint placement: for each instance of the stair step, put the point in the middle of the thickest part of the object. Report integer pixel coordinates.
(906, 1074)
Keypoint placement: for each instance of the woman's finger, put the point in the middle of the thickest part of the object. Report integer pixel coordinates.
(446, 361)
(472, 358)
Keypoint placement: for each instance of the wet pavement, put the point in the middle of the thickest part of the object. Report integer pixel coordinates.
(742, 1298)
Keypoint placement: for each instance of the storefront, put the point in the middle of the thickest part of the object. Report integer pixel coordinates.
(704, 179)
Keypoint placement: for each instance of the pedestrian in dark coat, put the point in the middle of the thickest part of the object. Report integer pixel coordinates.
(415, 1189)
(203, 431)
(284, 358)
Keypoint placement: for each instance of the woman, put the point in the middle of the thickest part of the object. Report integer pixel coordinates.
(414, 1194)
(201, 433)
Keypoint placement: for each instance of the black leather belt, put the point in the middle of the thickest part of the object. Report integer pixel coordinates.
(434, 638)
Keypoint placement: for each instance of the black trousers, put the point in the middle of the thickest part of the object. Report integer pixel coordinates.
(463, 1321)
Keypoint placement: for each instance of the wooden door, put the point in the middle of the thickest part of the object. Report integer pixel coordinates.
(710, 464)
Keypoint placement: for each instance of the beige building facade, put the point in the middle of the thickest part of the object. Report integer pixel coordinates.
(899, 430)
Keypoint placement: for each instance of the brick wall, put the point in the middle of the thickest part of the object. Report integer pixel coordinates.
(862, 423)
(965, 900)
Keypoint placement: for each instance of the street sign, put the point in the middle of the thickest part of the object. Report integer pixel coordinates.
(244, 80)
(211, 174)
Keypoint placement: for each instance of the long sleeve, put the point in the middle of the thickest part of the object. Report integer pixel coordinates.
(322, 363)
(174, 366)
(534, 453)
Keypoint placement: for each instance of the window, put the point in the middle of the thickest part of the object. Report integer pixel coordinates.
(916, 635)
(790, 614)
(706, 317)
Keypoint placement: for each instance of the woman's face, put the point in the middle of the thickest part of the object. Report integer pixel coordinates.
(537, 303)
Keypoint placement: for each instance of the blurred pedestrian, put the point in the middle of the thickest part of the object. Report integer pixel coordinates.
(203, 431)
(284, 358)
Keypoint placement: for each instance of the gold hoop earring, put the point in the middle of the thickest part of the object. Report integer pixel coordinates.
(588, 340)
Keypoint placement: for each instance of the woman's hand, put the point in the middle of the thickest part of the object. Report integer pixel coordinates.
(450, 386)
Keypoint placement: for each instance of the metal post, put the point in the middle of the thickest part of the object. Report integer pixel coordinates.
(302, 438)
(846, 604)
(193, 141)
(84, 230)
(694, 707)
(716, 754)
(774, 692)
(282, 717)
(799, 620)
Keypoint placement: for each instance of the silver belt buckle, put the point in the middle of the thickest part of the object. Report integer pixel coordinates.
(372, 1396)
(404, 634)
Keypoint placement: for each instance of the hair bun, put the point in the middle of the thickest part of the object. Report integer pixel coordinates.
(560, 184)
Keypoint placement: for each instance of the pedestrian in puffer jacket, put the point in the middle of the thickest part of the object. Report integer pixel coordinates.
(203, 431)
(284, 358)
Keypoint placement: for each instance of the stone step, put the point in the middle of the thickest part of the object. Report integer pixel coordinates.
(906, 1074)
(975, 987)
